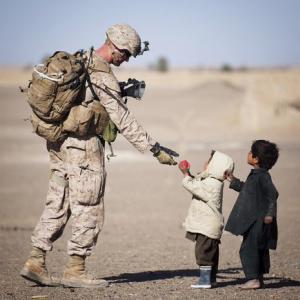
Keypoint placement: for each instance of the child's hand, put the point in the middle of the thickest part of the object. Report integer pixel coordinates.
(268, 219)
(184, 167)
(228, 175)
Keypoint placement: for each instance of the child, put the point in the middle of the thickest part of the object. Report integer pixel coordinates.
(254, 213)
(204, 222)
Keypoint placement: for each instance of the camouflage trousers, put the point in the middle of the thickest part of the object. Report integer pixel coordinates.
(76, 191)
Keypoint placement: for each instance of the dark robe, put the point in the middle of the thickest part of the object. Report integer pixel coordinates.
(257, 199)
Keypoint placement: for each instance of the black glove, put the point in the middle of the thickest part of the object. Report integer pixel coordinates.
(163, 154)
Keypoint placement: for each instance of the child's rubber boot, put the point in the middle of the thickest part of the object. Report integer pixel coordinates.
(35, 269)
(204, 281)
(75, 275)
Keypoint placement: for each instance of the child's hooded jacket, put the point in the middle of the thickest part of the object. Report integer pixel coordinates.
(205, 212)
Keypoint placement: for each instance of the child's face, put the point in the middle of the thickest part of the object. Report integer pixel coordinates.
(253, 161)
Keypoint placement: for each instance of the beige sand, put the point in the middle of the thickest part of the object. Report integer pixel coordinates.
(142, 249)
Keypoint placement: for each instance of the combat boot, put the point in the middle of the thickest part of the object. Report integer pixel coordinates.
(75, 275)
(35, 268)
(204, 281)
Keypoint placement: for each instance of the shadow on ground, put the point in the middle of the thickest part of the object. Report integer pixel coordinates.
(276, 282)
(165, 274)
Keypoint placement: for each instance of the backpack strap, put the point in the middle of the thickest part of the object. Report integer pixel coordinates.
(104, 68)
(88, 78)
(97, 66)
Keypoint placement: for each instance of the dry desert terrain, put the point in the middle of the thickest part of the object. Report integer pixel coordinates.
(142, 250)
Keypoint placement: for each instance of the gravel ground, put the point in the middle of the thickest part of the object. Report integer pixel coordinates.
(141, 251)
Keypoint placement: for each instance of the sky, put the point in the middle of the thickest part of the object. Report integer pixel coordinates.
(190, 33)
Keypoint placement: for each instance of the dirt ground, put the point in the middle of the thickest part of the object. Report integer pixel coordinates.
(142, 251)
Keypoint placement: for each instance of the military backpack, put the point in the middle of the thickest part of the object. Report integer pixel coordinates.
(55, 88)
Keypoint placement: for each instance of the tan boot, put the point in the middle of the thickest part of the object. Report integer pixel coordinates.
(35, 268)
(75, 275)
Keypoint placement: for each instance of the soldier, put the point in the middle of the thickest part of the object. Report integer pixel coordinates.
(77, 180)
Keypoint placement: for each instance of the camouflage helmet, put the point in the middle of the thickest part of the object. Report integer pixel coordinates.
(124, 36)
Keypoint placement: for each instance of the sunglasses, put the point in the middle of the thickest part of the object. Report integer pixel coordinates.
(124, 52)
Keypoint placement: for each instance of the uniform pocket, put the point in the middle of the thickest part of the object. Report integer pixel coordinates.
(89, 184)
(86, 181)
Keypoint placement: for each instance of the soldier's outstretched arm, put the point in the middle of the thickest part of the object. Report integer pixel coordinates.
(108, 90)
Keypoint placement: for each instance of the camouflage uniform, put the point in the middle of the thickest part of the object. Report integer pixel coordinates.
(77, 179)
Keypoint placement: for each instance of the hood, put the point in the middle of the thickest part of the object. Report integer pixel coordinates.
(218, 164)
